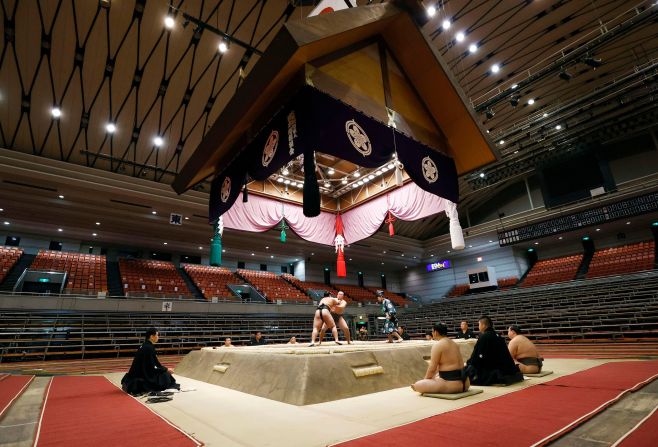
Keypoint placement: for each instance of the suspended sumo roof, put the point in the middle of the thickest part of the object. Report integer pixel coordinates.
(374, 58)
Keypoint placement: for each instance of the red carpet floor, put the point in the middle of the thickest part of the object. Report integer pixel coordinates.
(91, 411)
(11, 387)
(549, 410)
(645, 434)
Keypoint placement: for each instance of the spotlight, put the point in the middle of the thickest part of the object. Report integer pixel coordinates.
(357, 174)
(501, 142)
(327, 184)
(280, 180)
(460, 36)
(472, 48)
(110, 127)
(565, 75)
(60, 196)
(495, 68)
(169, 22)
(482, 175)
(158, 141)
(285, 171)
(431, 11)
(286, 181)
(514, 86)
(446, 24)
(490, 113)
(594, 62)
(331, 171)
(56, 112)
(223, 46)
(514, 101)
(531, 101)
(545, 115)
(344, 181)
(558, 127)
(371, 177)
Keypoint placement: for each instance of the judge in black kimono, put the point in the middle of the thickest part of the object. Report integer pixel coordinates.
(491, 362)
(146, 373)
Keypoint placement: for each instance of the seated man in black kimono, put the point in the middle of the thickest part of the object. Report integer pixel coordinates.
(491, 362)
(146, 374)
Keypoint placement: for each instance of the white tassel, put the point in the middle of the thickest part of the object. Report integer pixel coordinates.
(399, 180)
(456, 235)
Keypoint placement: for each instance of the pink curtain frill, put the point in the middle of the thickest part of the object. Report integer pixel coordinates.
(406, 203)
(260, 214)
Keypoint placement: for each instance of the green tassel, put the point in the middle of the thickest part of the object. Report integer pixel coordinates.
(216, 246)
(283, 236)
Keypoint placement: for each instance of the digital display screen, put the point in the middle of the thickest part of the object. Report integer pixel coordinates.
(441, 265)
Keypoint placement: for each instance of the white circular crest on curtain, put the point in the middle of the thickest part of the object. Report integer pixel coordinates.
(226, 189)
(270, 147)
(430, 171)
(358, 138)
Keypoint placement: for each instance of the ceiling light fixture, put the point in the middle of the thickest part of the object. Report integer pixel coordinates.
(482, 175)
(56, 112)
(331, 171)
(6, 223)
(158, 141)
(431, 11)
(460, 37)
(60, 196)
(285, 171)
(531, 101)
(514, 86)
(558, 127)
(280, 180)
(495, 68)
(154, 212)
(344, 181)
(286, 181)
(169, 22)
(98, 223)
(545, 115)
(490, 113)
(446, 24)
(110, 127)
(223, 46)
(472, 48)
(357, 174)
(60, 230)
(501, 142)
(565, 75)
(327, 184)
(94, 234)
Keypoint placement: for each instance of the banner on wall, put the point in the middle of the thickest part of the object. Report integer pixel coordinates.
(315, 121)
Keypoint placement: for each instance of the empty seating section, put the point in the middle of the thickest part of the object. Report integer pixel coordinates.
(394, 297)
(86, 273)
(272, 286)
(621, 260)
(8, 257)
(46, 335)
(357, 293)
(306, 286)
(506, 283)
(548, 271)
(458, 290)
(213, 281)
(142, 277)
(615, 308)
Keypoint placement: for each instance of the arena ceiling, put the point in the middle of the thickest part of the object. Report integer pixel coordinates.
(546, 78)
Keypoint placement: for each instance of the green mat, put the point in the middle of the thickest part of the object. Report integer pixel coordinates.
(455, 396)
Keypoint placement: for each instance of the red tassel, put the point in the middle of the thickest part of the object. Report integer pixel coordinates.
(341, 268)
(389, 221)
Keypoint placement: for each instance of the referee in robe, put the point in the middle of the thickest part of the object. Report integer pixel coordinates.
(146, 373)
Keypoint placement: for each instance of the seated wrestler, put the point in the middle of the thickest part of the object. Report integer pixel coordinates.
(523, 351)
(337, 312)
(491, 362)
(323, 316)
(146, 373)
(445, 373)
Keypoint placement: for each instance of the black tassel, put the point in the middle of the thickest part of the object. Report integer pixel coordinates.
(245, 193)
(311, 188)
